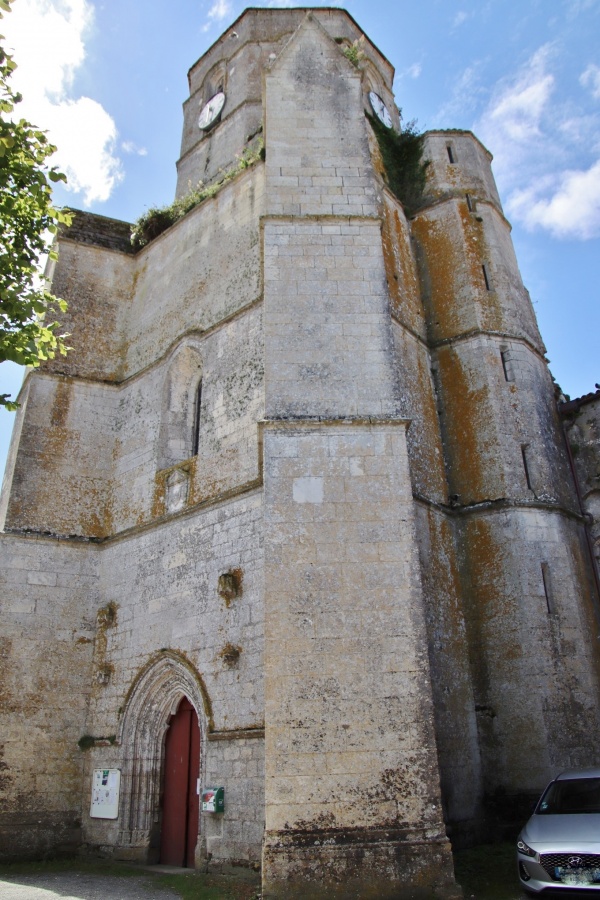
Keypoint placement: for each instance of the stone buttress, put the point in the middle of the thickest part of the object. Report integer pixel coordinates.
(352, 787)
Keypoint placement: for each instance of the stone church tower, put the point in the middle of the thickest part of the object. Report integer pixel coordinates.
(298, 502)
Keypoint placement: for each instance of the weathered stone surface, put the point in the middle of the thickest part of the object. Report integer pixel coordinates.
(304, 467)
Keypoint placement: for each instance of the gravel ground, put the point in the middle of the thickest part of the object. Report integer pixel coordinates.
(82, 886)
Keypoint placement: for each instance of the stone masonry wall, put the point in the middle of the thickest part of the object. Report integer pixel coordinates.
(48, 595)
(528, 627)
(163, 585)
(103, 443)
(581, 419)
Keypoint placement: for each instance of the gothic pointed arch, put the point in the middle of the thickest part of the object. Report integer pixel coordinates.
(152, 699)
(180, 409)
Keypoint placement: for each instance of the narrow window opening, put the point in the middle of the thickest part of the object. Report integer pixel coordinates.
(450, 152)
(197, 412)
(486, 278)
(547, 582)
(507, 365)
(470, 205)
(524, 453)
(435, 377)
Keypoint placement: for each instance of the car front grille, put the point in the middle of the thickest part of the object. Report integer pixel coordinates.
(550, 861)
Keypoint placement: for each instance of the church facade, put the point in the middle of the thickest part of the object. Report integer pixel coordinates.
(297, 517)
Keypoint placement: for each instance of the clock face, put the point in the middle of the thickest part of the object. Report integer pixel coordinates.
(211, 110)
(380, 109)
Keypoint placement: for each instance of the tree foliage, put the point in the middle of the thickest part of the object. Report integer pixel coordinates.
(27, 222)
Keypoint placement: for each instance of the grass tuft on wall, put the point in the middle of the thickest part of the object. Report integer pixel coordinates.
(157, 219)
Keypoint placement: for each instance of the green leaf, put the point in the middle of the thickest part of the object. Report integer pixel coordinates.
(27, 219)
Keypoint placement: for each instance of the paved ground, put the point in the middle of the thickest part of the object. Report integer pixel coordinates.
(82, 886)
(485, 873)
(95, 879)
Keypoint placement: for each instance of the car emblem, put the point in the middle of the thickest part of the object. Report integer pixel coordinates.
(575, 861)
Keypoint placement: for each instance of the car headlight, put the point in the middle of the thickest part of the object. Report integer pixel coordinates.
(524, 848)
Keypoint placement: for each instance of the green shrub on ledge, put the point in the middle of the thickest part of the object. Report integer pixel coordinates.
(158, 219)
(402, 155)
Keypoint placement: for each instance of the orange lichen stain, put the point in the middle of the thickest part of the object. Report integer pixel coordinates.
(434, 463)
(446, 266)
(468, 444)
(443, 573)
(376, 157)
(400, 268)
(230, 654)
(489, 599)
(452, 175)
(61, 403)
(192, 468)
(98, 521)
(159, 500)
(423, 437)
(449, 572)
(159, 496)
(80, 509)
(231, 586)
(477, 253)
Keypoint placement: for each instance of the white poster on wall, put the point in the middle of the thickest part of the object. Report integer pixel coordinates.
(105, 793)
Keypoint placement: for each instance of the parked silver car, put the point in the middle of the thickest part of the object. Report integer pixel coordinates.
(559, 848)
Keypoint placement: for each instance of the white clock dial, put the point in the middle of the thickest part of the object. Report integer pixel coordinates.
(211, 110)
(380, 109)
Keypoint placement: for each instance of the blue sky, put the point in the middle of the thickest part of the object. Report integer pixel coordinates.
(107, 78)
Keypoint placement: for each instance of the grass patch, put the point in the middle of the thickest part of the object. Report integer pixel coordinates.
(355, 51)
(488, 872)
(92, 866)
(196, 886)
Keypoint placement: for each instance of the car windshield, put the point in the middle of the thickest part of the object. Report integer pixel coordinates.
(574, 795)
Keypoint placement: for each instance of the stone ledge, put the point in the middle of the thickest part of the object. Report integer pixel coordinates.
(98, 231)
(236, 735)
(340, 864)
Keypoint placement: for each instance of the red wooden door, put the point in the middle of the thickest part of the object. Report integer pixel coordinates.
(179, 830)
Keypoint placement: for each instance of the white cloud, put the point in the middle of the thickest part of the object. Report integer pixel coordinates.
(570, 207)
(48, 41)
(131, 147)
(414, 71)
(544, 169)
(466, 95)
(574, 7)
(591, 79)
(459, 18)
(218, 11)
(517, 109)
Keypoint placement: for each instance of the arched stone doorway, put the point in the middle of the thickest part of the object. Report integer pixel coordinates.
(153, 701)
(180, 801)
